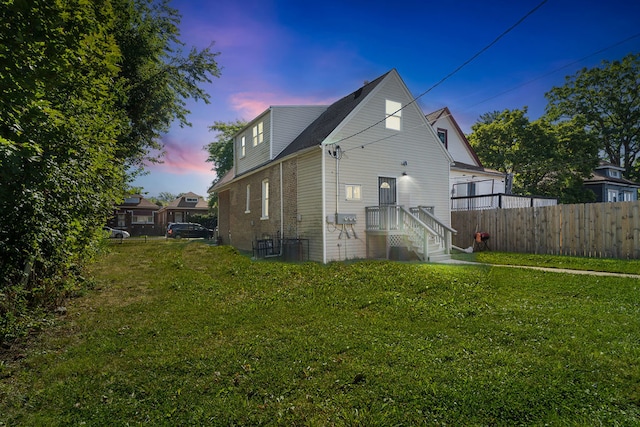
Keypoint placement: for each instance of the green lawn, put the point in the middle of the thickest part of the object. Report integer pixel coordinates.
(182, 333)
(555, 261)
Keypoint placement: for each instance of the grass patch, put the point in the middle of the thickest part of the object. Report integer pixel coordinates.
(182, 333)
(558, 261)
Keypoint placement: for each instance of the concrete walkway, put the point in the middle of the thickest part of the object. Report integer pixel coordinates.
(549, 269)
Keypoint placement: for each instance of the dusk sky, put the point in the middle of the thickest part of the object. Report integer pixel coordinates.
(285, 52)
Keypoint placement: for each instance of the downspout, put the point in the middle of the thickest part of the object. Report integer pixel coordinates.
(324, 208)
(281, 211)
(281, 218)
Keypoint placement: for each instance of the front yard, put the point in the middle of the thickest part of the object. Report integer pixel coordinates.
(182, 333)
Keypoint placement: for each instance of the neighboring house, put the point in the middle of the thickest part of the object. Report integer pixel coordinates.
(136, 215)
(182, 209)
(473, 186)
(609, 184)
(468, 176)
(365, 177)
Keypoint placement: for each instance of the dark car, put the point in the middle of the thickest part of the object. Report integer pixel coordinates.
(178, 230)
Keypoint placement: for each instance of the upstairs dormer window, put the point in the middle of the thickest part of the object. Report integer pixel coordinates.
(132, 200)
(442, 134)
(191, 199)
(393, 111)
(258, 134)
(614, 173)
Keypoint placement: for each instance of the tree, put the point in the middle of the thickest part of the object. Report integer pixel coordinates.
(87, 89)
(607, 100)
(156, 74)
(545, 159)
(59, 124)
(221, 151)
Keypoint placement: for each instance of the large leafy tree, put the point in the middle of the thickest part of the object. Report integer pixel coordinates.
(157, 74)
(87, 89)
(59, 126)
(221, 150)
(545, 159)
(607, 100)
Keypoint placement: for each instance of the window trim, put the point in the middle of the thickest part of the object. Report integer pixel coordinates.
(446, 136)
(350, 191)
(247, 208)
(135, 220)
(243, 146)
(258, 134)
(393, 115)
(265, 199)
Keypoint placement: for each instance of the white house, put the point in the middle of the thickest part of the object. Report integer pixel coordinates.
(468, 176)
(361, 178)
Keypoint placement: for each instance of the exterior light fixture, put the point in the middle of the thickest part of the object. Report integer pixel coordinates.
(404, 163)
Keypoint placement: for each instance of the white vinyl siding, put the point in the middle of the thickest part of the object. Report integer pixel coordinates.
(258, 155)
(427, 180)
(309, 194)
(455, 145)
(288, 122)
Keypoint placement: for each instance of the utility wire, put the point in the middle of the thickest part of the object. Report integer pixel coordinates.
(464, 64)
(511, 89)
(557, 69)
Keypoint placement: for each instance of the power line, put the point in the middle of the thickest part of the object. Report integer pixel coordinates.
(557, 69)
(464, 64)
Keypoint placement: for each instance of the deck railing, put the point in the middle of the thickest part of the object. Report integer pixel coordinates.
(504, 201)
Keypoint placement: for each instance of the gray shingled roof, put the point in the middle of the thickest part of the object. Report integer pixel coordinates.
(317, 131)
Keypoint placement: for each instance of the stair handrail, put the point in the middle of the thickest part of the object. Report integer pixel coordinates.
(441, 230)
(414, 228)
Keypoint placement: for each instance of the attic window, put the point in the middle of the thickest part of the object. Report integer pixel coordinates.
(393, 112)
(191, 199)
(614, 173)
(258, 134)
(132, 200)
(442, 134)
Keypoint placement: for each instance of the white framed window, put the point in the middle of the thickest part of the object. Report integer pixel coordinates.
(353, 192)
(247, 206)
(627, 196)
(442, 134)
(243, 146)
(258, 134)
(191, 199)
(612, 195)
(142, 219)
(265, 199)
(393, 115)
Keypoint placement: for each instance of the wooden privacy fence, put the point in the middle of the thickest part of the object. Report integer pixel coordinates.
(602, 230)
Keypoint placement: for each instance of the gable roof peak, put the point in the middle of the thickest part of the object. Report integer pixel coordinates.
(321, 128)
